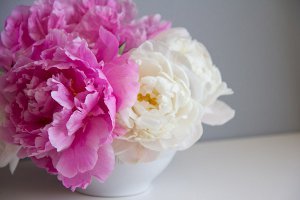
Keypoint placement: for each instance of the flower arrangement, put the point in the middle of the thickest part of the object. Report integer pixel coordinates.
(85, 81)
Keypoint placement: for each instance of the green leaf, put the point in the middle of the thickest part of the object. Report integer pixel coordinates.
(122, 48)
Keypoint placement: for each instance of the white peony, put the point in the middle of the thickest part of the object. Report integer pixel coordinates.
(179, 87)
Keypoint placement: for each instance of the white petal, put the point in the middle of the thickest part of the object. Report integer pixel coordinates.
(8, 155)
(217, 114)
(13, 164)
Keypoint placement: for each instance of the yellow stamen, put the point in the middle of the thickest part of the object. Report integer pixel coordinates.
(148, 98)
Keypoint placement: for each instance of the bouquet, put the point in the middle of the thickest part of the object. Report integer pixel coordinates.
(84, 82)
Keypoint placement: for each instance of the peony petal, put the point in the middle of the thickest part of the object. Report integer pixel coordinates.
(75, 121)
(59, 138)
(8, 155)
(77, 159)
(13, 164)
(154, 25)
(40, 11)
(105, 163)
(101, 171)
(96, 17)
(123, 77)
(62, 96)
(110, 103)
(82, 155)
(98, 132)
(141, 30)
(217, 114)
(58, 133)
(80, 180)
(79, 51)
(15, 35)
(107, 46)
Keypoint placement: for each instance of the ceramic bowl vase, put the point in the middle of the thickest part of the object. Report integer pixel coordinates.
(129, 179)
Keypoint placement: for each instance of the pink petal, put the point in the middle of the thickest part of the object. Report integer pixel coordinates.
(80, 180)
(105, 163)
(110, 103)
(153, 25)
(98, 131)
(123, 76)
(62, 96)
(38, 26)
(82, 155)
(76, 120)
(97, 16)
(107, 46)
(58, 137)
(138, 31)
(78, 51)
(16, 36)
(101, 171)
(78, 159)
(58, 133)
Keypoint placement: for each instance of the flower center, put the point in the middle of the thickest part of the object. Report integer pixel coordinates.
(151, 100)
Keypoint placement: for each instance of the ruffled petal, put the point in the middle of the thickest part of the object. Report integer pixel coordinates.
(77, 159)
(82, 156)
(58, 133)
(62, 96)
(101, 170)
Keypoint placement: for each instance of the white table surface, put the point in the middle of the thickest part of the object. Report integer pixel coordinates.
(260, 168)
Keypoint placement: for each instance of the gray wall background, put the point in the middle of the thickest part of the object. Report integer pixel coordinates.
(255, 44)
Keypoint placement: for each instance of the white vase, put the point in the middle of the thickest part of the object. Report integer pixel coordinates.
(129, 179)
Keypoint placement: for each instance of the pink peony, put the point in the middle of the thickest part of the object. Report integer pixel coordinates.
(62, 103)
(65, 81)
(27, 25)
